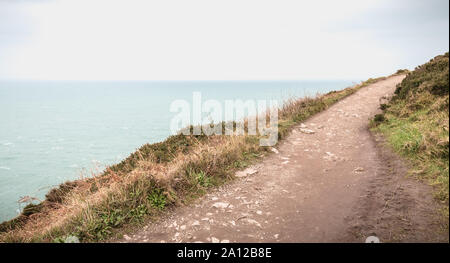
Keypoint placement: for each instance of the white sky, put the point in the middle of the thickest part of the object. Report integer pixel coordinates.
(218, 40)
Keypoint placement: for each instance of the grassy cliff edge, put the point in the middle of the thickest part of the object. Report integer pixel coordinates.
(155, 177)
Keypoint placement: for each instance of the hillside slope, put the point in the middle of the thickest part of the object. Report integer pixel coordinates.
(154, 179)
(415, 123)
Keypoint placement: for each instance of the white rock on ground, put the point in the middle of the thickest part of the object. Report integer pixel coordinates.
(307, 131)
(359, 169)
(221, 205)
(248, 171)
(253, 222)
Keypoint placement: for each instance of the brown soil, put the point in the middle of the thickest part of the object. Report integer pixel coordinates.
(338, 184)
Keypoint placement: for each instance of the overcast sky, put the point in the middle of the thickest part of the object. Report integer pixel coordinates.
(218, 39)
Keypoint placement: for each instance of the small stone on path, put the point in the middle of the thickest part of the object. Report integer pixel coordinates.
(307, 131)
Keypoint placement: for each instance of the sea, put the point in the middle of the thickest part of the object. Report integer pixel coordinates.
(55, 131)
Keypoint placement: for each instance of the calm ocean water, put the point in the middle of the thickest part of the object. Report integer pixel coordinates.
(51, 132)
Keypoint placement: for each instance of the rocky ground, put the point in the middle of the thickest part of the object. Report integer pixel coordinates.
(329, 181)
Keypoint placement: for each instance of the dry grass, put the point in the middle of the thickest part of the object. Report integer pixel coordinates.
(153, 178)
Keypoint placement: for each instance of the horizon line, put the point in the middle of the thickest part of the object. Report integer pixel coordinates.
(186, 80)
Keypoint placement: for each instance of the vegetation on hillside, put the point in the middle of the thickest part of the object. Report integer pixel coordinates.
(416, 123)
(154, 178)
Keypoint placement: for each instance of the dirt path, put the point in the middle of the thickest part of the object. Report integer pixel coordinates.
(335, 185)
